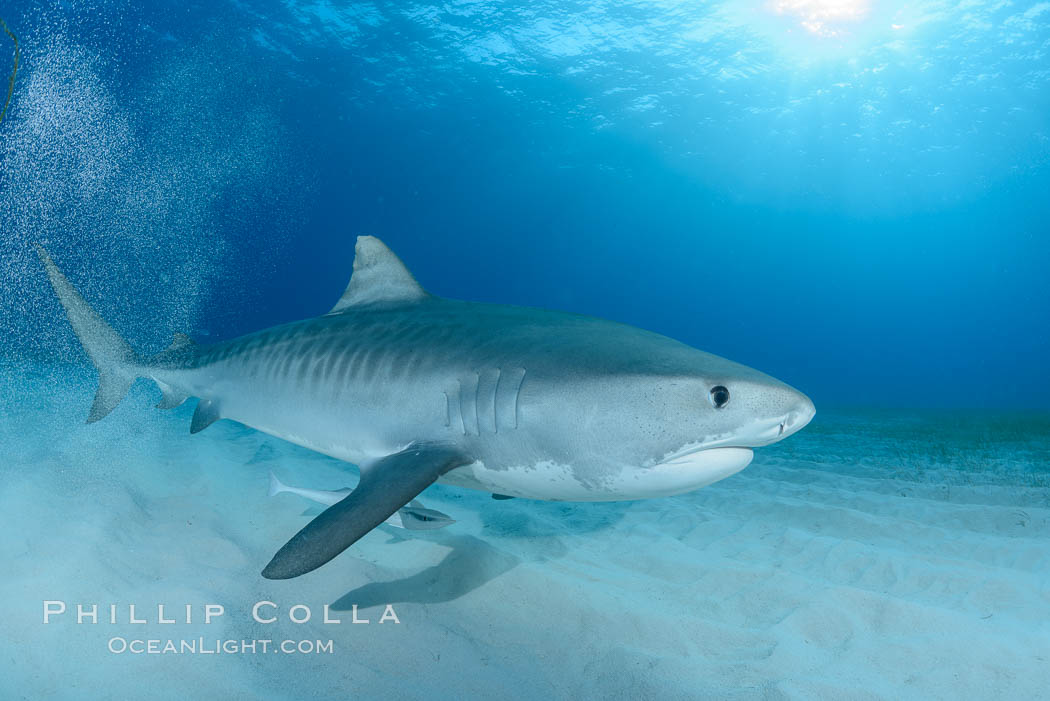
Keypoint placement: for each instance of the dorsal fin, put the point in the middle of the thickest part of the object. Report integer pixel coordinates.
(379, 276)
(181, 347)
(181, 340)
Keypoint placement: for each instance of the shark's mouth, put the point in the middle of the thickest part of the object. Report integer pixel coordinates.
(753, 436)
(696, 455)
(700, 467)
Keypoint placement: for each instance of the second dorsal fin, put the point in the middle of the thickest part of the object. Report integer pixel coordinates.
(379, 276)
(180, 340)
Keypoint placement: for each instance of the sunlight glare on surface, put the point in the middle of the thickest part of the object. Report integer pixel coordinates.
(827, 18)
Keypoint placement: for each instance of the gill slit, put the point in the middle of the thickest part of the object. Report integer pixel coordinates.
(462, 419)
(517, 395)
(495, 402)
(477, 408)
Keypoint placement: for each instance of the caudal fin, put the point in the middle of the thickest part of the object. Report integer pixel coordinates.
(113, 357)
(276, 486)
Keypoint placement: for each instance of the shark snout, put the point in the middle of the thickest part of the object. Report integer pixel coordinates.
(795, 411)
(798, 417)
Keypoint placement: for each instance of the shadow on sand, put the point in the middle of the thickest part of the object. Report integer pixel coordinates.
(471, 563)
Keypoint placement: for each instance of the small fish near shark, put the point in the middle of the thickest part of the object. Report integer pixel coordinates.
(412, 517)
(417, 389)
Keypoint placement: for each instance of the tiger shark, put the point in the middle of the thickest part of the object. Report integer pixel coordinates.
(417, 389)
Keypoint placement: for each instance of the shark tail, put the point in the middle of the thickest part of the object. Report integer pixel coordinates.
(276, 486)
(116, 362)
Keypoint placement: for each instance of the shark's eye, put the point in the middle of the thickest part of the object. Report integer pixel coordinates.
(719, 396)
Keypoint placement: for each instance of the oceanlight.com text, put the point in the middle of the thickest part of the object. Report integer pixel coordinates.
(213, 646)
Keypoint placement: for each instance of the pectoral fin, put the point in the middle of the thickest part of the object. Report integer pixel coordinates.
(385, 487)
(206, 413)
(171, 397)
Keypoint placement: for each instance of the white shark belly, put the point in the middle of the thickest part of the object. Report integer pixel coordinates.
(552, 481)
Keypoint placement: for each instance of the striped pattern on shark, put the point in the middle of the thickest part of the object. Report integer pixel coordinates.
(417, 389)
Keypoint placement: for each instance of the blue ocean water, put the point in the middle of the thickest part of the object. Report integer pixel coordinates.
(850, 195)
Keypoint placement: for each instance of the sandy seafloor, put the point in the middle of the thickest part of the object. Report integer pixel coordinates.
(877, 554)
